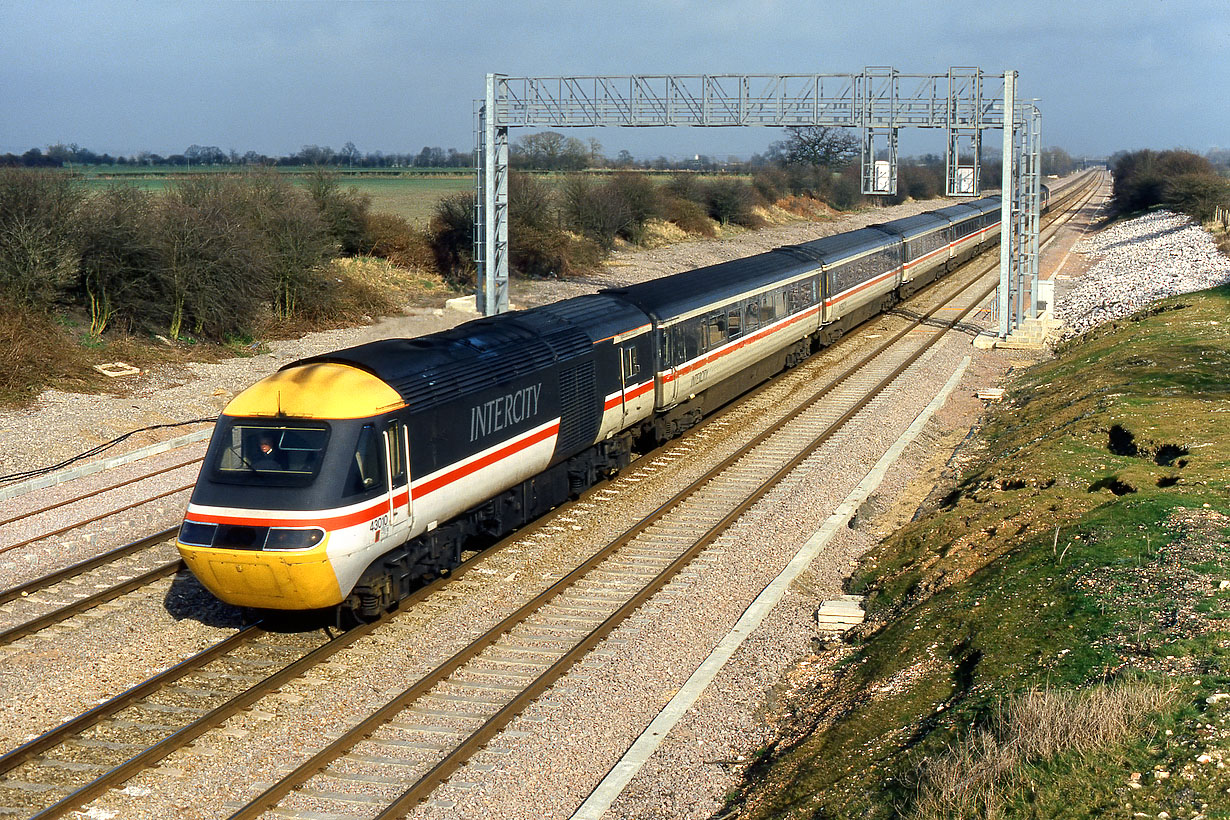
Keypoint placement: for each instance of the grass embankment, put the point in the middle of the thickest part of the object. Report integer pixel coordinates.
(1051, 638)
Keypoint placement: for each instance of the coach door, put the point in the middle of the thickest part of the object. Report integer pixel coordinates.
(667, 372)
(629, 375)
(397, 451)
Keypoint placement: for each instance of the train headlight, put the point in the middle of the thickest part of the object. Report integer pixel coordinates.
(197, 535)
(284, 539)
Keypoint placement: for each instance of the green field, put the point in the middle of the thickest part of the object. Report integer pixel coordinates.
(408, 194)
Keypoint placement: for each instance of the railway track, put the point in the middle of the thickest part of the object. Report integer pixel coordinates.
(432, 728)
(536, 644)
(52, 598)
(137, 564)
(67, 766)
(94, 494)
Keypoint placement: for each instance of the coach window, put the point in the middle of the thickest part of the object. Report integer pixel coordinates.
(764, 312)
(734, 322)
(715, 331)
(366, 474)
(688, 342)
(753, 314)
(794, 297)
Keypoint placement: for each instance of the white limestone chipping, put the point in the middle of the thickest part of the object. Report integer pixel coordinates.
(1141, 261)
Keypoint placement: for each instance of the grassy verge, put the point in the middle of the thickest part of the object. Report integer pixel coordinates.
(1052, 638)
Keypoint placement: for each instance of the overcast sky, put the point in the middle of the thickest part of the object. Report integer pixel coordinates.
(122, 76)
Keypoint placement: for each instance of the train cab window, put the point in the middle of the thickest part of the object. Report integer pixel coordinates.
(270, 454)
(397, 453)
(366, 469)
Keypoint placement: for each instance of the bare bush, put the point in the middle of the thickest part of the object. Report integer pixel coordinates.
(294, 242)
(687, 187)
(531, 202)
(393, 238)
(1198, 195)
(118, 256)
(689, 216)
(337, 302)
(344, 212)
(594, 209)
(452, 238)
(213, 277)
(846, 192)
(1179, 179)
(644, 200)
(34, 351)
(538, 246)
(973, 777)
(771, 183)
(731, 202)
(38, 250)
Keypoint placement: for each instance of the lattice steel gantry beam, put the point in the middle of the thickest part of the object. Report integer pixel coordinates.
(879, 101)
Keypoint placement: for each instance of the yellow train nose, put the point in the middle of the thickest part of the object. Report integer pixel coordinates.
(265, 580)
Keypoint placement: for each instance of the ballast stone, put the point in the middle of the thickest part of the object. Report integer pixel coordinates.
(1142, 260)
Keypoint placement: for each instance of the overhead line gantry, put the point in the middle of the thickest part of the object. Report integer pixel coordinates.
(879, 102)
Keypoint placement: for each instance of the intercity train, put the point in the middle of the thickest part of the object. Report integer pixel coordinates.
(345, 480)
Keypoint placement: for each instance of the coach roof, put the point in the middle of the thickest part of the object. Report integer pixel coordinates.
(911, 226)
(713, 285)
(833, 250)
(431, 370)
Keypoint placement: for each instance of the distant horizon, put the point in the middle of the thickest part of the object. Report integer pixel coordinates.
(1108, 75)
(987, 152)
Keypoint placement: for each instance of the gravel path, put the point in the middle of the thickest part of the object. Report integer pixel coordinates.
(1140, 261)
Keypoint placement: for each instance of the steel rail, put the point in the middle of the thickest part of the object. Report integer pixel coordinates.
(89, 602)
(316, 764)
(128, 697)
(82, 567)
(98, 492)
(217, 716)
(497, 722)
(185, 735)
(65, 529)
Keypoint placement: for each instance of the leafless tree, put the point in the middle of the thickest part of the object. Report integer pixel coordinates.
(818, 145)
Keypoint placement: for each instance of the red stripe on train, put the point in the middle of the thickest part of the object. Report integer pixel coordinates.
(335, 522)
(464, 470)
